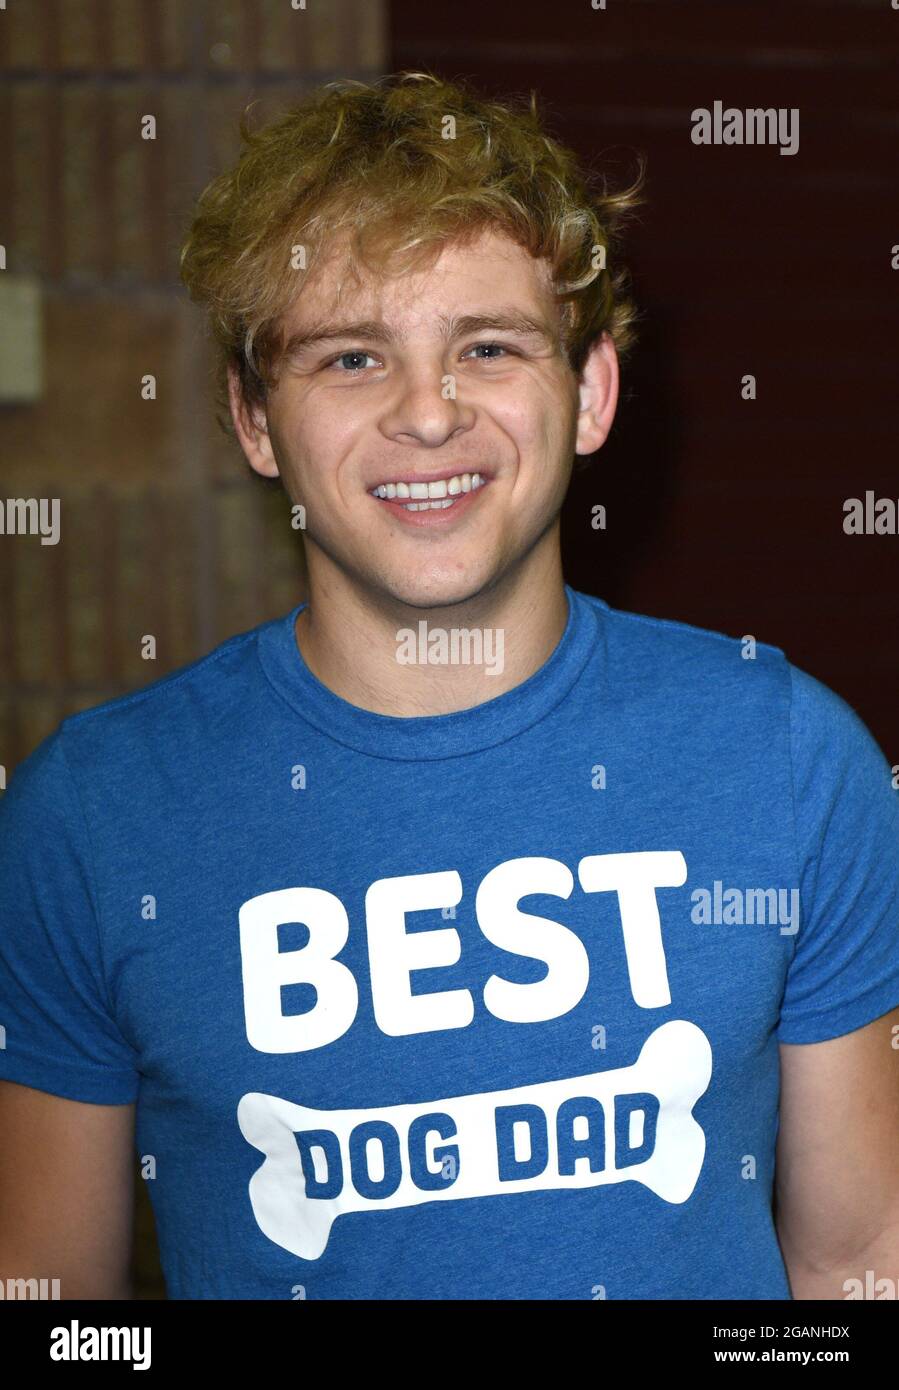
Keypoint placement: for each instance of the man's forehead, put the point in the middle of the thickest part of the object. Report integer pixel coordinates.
(488, 277)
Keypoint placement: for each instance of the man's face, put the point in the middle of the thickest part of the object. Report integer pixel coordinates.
(448, 391)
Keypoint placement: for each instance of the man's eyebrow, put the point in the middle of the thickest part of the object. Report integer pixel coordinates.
(331, 332)
(502, 321)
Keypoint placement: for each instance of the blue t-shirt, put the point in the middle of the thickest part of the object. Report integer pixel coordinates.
(476, 1005)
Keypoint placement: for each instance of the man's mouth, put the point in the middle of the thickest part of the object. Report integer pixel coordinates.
(439, 495)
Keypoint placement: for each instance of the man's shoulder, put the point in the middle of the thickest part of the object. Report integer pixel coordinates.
(744, 681)
(175, 706)
(678, 659)
(674, 635)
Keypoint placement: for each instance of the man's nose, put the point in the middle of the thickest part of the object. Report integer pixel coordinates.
(426, 409)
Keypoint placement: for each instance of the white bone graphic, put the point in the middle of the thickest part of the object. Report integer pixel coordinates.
(675, 1065)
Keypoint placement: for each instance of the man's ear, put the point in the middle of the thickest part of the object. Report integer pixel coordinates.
(598, 395)
(251, 427)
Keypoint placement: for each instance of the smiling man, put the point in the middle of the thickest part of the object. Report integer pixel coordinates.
(387, 958)
(430, 436)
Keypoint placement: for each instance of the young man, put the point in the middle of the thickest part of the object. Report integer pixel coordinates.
(455, 935)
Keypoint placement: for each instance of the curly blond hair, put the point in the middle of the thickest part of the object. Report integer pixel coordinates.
(372, 162)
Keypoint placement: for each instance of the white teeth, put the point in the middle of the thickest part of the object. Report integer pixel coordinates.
(429, 496)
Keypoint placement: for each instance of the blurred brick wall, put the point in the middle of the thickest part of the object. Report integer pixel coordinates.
(163, 528)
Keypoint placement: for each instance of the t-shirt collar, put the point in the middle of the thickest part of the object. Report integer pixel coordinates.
(418, 737)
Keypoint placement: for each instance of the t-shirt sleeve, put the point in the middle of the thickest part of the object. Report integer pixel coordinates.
(844, 970)
(57, 1029)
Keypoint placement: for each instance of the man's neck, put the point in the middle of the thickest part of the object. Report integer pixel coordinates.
(356, 647)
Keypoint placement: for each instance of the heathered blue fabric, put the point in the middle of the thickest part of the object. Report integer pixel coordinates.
(490, 1140)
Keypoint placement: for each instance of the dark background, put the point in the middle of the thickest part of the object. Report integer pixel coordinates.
(723, 512)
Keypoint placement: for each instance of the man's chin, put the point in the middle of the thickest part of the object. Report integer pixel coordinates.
(428, 591)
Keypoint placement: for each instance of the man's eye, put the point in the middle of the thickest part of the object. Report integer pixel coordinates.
(349, 361)
(487, 348)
